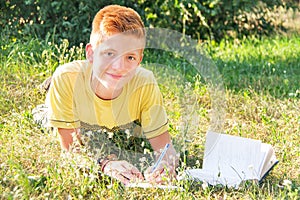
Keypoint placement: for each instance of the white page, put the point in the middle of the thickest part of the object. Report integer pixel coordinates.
(269, 160)
(146, 185)
(212, 178)
(232, 156)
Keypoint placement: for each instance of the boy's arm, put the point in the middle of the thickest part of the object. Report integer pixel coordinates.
(121, 170)
(66, 137)
(168, 164)
(159, 142)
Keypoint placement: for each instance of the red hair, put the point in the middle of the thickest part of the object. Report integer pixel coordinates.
(114, 19)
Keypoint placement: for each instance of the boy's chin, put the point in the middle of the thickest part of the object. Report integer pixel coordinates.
(114, 87)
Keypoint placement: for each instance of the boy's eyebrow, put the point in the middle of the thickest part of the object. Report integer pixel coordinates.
(134, 52)
(129, 52)
(107, 49)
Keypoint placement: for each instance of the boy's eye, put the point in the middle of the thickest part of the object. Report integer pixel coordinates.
(131, 58)
(109, 54)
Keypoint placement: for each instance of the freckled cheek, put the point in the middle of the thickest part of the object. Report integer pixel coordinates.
(101, 64)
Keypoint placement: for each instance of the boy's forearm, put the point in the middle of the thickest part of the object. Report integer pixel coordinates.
(66, 138)
(158, 144)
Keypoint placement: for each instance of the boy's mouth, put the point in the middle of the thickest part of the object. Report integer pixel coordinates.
(115, 76)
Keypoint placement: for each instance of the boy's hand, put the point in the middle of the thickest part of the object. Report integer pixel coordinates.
(123, 171)
(162, 174)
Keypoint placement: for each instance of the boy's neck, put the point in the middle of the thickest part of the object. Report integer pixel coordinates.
(103, 92)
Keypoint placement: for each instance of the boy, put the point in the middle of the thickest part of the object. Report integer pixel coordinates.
(110, 91)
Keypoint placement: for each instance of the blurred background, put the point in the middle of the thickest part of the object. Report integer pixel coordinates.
(203, 20)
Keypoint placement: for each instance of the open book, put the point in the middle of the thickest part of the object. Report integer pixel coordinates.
(230, 160)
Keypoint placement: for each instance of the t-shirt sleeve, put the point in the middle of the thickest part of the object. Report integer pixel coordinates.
(153, 118)
(60, 101)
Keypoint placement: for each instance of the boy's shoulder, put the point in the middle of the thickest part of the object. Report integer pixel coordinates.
(142, 77)
(77, 66)
(144, 73)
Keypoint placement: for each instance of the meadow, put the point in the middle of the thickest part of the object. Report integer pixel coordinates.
(262, 93)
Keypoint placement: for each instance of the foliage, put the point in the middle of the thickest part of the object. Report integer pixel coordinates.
(214, 19)
(206, 19)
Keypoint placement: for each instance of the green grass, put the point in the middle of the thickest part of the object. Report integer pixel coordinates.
(262, 90)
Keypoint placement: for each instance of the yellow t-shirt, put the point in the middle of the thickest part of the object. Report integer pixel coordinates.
(73, 104)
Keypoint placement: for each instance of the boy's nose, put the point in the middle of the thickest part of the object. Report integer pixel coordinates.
(119, 63)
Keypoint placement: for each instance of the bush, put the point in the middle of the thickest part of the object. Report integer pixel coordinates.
(43, 18)
(206, 19)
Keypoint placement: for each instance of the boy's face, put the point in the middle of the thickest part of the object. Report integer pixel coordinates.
(115, 60)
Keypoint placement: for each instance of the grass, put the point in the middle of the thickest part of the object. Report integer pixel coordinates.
(262, 90)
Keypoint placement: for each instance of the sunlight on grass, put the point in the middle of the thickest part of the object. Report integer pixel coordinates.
(262, 92)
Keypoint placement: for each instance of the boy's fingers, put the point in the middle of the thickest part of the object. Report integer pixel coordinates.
(162, 173)
(127, 175)
(131, 177)
(152, 176)
(132, 173)
(122, 178)
(130, 169)
(123, 171)
(138, 174)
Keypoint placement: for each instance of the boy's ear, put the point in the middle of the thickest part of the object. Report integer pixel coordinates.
(141, 58)
(89, 52)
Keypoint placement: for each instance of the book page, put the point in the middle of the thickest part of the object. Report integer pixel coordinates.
(212, 178)
(232, 156)
(146, 185)
(269, 160)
